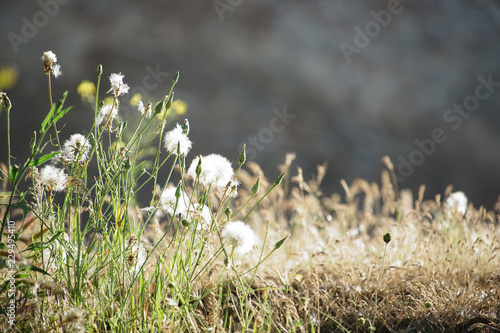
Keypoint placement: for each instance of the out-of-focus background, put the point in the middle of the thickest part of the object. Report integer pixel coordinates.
(341, 81)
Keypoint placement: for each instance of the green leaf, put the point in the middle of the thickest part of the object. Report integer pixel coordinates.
(43, 159)
(55, 109)
(33, 268)
(14, 169)
(280, 242)
(61, 114)
(48, 118)
(41, 245)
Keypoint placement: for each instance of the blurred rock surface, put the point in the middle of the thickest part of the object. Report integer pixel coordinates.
(267, 55)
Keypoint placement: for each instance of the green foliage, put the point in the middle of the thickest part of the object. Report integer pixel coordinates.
(83, 233)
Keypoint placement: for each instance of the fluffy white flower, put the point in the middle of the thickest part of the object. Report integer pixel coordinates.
(54, 178)
(56, 70)
(117, 85)
(233, 188)
(240, 236)
(49, 58)
(458, 201)
(49, 64)
(215, 170)
(76, 148)
(177, 137)
(188, 210)
(168, 201)
(144, 109)
(202, 215)
(105, 112)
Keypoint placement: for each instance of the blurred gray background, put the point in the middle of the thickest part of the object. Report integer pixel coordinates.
(239, 60)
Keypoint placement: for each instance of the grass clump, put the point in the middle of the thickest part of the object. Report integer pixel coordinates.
(91, 255)
(114, 231)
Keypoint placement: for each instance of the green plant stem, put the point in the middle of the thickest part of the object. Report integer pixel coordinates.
(258, 202)
(20, 174)
(9, 163)
(378, 284)
(50, 88)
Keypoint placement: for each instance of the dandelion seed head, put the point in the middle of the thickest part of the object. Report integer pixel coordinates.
(458, 201)
(177, 137)
(232, 190)
(240, 236)
(216, 170)
(76, 148)
(49, 64)
(54, 178)
(107, 112)
(49, 58)
(117, 85)
(202, 215)
(144, 109)
(56, 70)
(168, 201)
(187, 210)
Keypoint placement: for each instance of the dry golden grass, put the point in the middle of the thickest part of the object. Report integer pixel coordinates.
(441, 272)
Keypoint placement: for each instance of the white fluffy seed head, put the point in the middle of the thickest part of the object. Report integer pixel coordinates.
(144, 109)
(215, 170)
(49, 58)
(53, 178)
(168, 201)
(177, 137)
(458, 201)
(107, 112)
(117, 85)
(76, 148)
(239, 236)
(49, 64)
(56, 70)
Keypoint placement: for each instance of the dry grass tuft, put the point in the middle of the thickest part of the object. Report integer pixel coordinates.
(442, 271)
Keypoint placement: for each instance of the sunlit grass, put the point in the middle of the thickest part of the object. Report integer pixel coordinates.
(121, 230)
